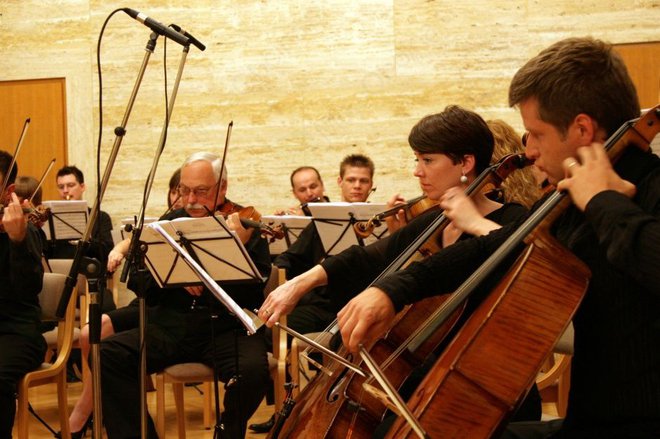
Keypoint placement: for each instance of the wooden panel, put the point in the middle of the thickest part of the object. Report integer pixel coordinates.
(643, 62)
(44, 102)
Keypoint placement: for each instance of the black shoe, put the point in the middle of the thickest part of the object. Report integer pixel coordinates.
(80, 433)
(264, 427)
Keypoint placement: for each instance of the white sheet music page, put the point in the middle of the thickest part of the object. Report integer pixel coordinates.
(68, 219)
(218, 251)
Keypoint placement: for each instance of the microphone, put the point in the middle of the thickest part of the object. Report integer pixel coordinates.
(195, 42)
(157, 27)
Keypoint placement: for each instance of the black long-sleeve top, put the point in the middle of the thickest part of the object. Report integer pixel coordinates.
(353, 270)
(21, 278)
(171, 301)
(615, 375)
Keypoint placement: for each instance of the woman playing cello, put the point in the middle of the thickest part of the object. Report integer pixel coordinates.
(452, 148)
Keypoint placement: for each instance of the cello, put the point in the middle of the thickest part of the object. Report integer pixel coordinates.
(517, 325)
(331, 405)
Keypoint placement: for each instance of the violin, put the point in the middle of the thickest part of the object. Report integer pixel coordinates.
(251, 218)
(412, 208)
(35, 215)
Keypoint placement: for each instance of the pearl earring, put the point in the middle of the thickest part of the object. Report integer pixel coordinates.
(463, 179)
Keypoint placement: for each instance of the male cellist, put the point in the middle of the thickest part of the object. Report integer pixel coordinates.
(572, 97)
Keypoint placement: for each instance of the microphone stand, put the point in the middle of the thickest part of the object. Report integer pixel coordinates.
(83, 245)
(137, 250)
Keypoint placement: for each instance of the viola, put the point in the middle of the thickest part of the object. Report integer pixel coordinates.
(485, 372)
(412, 208)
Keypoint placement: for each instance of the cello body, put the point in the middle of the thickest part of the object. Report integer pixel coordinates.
(336, 406)
(474, 387)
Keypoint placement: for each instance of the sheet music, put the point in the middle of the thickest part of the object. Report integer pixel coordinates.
(126, 221)
(218, 250)
(292, 225)
(333, 223)
(68, 219)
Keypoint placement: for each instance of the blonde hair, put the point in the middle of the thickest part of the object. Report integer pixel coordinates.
(521, 185)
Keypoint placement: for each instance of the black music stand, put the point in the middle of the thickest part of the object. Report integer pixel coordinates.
(292, 226)
(206, 252)
(67, 219)
(334, 224)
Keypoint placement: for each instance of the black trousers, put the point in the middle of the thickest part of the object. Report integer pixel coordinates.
(19, 355)
(177, 338)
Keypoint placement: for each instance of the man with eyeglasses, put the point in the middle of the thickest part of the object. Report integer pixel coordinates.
(181, 327)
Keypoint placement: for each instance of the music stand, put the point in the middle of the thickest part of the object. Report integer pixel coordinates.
(67, 219)
(206, 252)
(334, 223)
(292, 226)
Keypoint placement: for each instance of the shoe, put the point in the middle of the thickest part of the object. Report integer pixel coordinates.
(80, 433)
(264, 427)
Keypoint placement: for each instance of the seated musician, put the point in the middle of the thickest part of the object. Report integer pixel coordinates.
(451, 149)
(307, 187)
(22, 348)
(572, 97)
(71, 186)
(116, 320)
(180, 327)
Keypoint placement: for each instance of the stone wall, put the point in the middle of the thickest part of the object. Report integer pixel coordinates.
(304, 82)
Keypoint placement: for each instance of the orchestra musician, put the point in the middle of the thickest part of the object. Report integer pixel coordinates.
(307, 187)
(22, 346)
(451, 149)
(180, 326)
(572, 96)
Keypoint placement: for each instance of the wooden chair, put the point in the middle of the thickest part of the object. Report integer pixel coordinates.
(54, 372)
(554, 381)
(180, 374)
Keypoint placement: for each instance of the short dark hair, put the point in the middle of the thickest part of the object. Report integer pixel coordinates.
(175, 179)
(574, 76)
(5, 162)
(356, 161)
(304, 168)
(455, 132)
(68, 170)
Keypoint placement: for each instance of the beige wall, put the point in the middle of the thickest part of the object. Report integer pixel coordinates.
(305, 82)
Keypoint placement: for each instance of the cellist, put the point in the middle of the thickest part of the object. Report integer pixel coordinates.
(572, 96)
(451, 149)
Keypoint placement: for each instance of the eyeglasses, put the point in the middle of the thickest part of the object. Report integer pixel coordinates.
(199, 192)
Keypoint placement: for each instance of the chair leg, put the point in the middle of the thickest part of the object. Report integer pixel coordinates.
(177, 388)
(63, 404)
(208, 404)
(160, 405)
(22, 413)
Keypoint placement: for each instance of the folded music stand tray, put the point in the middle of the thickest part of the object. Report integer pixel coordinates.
(334, 224)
